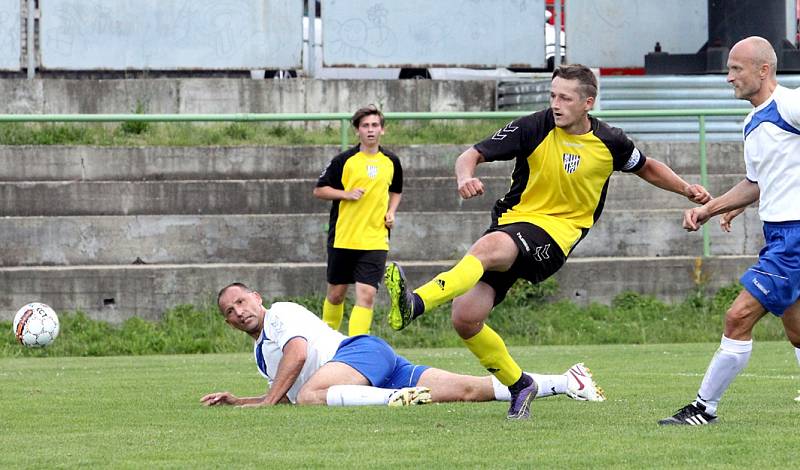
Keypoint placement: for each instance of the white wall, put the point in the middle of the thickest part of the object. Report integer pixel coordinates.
(430, 33)
(10, 34)
(171, 34)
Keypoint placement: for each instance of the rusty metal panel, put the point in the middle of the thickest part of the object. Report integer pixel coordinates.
(10, 30)
(171, 34)
(441, 33)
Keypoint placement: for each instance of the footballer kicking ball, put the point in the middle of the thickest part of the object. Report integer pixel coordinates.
(36, 325)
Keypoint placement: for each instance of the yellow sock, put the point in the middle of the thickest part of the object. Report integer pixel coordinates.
(491, 351)
(332, 314)
(450, 284)
(360, 321)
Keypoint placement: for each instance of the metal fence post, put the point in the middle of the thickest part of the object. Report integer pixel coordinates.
(704, 180)
(31, 31)
(343, 125)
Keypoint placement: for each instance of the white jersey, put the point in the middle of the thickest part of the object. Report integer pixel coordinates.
(284, 321)
(772, 154)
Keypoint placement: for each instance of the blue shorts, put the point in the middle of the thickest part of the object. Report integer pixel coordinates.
(775, 279)
(378, 362)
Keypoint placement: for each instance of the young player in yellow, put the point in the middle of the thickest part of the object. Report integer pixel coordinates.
(564, 159)
(365, 184)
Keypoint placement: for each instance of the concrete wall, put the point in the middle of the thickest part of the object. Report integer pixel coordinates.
(240, 95)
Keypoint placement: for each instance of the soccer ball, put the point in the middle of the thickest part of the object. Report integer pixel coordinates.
(36, 325)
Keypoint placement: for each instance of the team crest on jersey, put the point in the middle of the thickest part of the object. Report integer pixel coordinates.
(571, 162)
(372, 171)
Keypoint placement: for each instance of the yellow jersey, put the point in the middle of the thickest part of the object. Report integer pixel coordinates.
(359, 225)
(560, 180)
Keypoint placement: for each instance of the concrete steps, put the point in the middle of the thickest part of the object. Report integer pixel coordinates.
(87, 163)
(278, 238)
(284, 196)
(74, 220)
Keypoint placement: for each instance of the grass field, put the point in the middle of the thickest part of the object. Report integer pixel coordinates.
(144, 412)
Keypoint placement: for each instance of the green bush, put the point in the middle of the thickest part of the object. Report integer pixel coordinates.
(526, 317)
(136, 127)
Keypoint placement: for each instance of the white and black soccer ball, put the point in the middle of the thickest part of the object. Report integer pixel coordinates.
(36, 325)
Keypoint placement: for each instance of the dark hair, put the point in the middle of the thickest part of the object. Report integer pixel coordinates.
(582, 73)
(361, 113)
(233, 284)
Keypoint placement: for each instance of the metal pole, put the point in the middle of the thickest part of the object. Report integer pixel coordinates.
(312, 38)
(31, 39)
(557, 30)
(344, 124)
(704, 181)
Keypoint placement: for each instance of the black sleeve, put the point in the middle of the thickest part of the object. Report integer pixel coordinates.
(627, 158)
(397, 179)
(517, 138)
(332, 174)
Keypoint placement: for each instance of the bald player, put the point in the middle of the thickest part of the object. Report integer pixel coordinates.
(772, 161)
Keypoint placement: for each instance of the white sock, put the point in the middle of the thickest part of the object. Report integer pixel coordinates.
(357, 395)
(797, 353)
(731, 357)
(548, 385)
(501, 392)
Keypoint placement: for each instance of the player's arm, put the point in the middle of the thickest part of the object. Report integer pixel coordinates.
(292, 362)
(227, 398)
(739, 196)
(294, 357)
(328, 193)
(468, 185)
(662, 176)
(394, 202)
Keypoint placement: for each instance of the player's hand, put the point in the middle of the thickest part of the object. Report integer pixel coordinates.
(354, 194)
(470, 188)
(726, 219)
(219, 398)
(697, 194)
(694, 218)
(388, 220)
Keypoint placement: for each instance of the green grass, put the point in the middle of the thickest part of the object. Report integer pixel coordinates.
(136, 133)
(144, 412)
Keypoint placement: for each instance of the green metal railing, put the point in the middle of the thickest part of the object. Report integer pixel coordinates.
(344, 122)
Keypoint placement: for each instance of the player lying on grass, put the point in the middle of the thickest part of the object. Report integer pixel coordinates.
(308, 363)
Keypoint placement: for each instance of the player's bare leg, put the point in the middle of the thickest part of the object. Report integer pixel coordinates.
(742, 316)
(315, 391)
(447, 386)
(791, 324)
